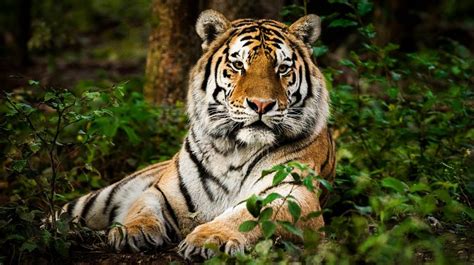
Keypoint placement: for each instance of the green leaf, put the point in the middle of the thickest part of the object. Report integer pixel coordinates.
(394, 184)
(266, 214)
(34, 146)
(19, 165)
(346, 2)
(419, 187)
(279, 177)
(326, 184)
(347, 63)
(26, 108)
(364, 7)
(28, 246)
(270, 198)
(267, 172)
(91, 95)
(268, 228)
(312, 215)
(296, 177)
(33, 82)
(298, 165)
(263, 247)
(291, 228)
(48, 96)
(320, 50)
(295, 210)
(365, 210)
(308, 183)
(342, 23)
(254, 205)
(311, 239)
(62, 247)
(247, 226)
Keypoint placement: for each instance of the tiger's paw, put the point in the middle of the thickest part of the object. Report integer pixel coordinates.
(137, 235)
(227, 240)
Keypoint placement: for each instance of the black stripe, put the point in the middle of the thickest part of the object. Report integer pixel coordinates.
(203, 172)
(112, 192)
(184, 190)
(252, 165)
(283, 143)
(249, 37)
(225, 73)
(324, 164)
(269, 22)
(293, 79)
(297, 93)
(249, 30)
(218, 88)
(124, 181)
(275, 32)
(276, 40)
(330, 155)
(168, 206)
(113, 214)
(87, 207)
(134, 239)
(207, 72)
(247, 43)
(147, 239)
(70, 207)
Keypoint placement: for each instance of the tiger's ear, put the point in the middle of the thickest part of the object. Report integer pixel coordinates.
(307, 29)
(209, 25)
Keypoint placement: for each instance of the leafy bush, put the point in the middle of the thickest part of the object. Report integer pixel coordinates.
(60, 144)
(404, 185)
(404, 129)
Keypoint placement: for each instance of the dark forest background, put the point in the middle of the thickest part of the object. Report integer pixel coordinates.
(93, 90)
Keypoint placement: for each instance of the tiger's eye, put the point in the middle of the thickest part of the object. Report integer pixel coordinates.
(238, 65)
(283, 68)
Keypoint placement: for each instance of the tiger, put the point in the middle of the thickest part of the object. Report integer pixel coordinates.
(255, 100)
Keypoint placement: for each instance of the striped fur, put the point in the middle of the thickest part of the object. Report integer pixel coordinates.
(255, 100)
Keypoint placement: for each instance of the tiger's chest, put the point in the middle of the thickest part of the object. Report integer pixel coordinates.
(219, 180)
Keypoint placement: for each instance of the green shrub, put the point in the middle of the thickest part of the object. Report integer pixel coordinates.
(60, 144)
(404, 184)
(404, 128)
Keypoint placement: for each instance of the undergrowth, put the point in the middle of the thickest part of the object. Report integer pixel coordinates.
(404, 129)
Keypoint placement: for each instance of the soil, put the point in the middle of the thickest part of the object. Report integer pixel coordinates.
(163, 256)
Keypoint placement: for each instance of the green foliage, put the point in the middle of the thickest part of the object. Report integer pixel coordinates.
(404, 181)
(57, 144)
(403, 123)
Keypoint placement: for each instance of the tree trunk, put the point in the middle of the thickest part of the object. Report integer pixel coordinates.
(174, 46)
(247, 9)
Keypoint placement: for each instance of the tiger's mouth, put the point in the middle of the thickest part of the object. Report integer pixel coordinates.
(258, 125)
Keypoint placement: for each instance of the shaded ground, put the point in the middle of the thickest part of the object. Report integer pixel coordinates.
(93, 250)
(165, 256)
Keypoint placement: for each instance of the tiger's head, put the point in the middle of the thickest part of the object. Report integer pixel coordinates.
(256, 83)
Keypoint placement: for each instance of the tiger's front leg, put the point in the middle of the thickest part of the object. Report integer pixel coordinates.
(148, 223)
(223, 231)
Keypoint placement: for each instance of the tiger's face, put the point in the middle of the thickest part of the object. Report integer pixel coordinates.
(256, 83)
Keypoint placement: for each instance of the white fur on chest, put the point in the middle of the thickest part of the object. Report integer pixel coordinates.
(229, 178)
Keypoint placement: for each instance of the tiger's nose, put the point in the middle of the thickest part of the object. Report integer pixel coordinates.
(261, 106)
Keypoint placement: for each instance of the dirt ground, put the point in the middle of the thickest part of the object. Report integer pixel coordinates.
(459, 248)
(163, 256)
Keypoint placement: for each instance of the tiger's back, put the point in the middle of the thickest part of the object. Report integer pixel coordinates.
(255, 100)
